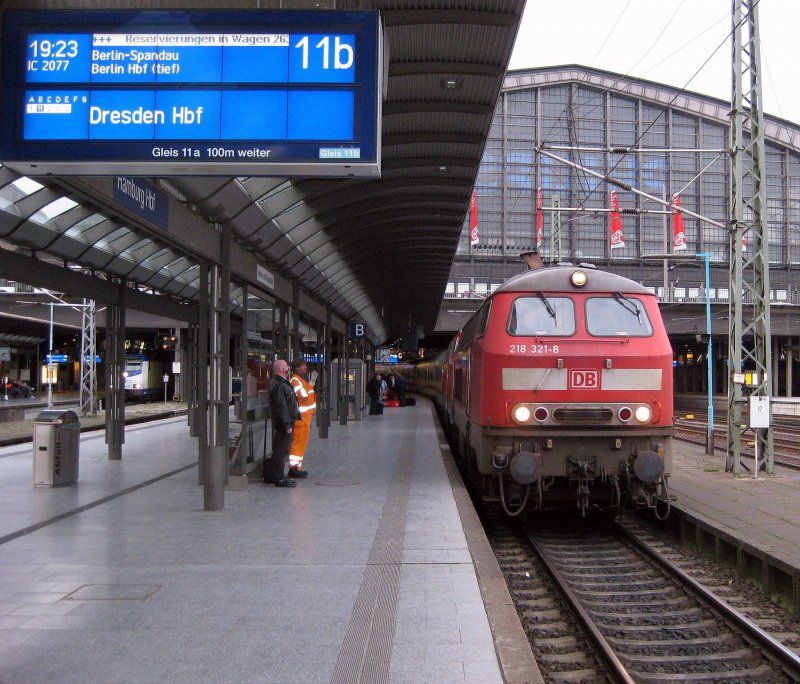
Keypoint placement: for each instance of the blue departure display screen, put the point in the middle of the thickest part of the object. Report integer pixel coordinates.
(164, 93)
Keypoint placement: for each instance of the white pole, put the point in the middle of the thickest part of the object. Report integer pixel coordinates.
(755, 446)
(49, 362)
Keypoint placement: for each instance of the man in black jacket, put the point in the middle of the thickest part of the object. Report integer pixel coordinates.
(375, 391)
(284, 411)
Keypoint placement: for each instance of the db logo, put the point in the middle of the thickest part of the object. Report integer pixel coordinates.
(584, 379)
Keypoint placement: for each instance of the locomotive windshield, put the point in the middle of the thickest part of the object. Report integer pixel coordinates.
(133, 364)
(617, 316)
(542, 315)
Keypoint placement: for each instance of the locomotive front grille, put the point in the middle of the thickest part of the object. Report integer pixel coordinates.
(588, 415)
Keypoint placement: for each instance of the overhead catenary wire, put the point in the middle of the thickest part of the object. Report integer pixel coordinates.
(789, 134)
(669, 104)
(610, 32)
(600, 95)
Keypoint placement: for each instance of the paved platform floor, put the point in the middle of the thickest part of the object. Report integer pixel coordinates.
(752, 524)
(763, 512)
(360, 573)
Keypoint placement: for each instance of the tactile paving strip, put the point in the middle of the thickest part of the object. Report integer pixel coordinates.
(367, 646)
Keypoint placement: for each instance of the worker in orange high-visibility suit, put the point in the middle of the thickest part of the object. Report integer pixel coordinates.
(304, 391)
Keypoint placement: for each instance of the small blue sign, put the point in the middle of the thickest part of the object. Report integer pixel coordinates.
(57, 358)
(143, 198)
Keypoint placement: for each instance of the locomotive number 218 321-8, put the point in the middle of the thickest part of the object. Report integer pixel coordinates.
(533, 349)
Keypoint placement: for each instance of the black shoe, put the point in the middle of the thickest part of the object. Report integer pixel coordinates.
(285, 482)
(269, 480)
(296, 472)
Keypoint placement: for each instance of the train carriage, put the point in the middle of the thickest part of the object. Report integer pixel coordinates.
(143, 377)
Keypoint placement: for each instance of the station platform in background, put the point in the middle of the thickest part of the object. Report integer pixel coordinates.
(373, 569)
(18, 415)
(17, 408)
(751, 523)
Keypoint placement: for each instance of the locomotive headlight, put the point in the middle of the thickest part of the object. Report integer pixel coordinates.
(521, 414)
(578, 278)
(643, 414)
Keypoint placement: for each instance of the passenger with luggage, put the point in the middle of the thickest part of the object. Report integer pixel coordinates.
(376, 388)
(391, 386)
(402, 389)
(391, 399)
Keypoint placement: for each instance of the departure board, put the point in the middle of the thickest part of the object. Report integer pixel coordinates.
(206, 93)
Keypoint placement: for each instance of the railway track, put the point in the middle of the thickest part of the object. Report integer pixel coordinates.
(786, 438)
(598, 606)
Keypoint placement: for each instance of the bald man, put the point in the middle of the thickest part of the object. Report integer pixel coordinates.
(284, 411)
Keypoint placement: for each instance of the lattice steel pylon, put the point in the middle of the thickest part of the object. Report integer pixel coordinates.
(88, 360)
(749, 341)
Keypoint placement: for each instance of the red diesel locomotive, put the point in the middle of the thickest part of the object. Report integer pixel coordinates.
(559, 389)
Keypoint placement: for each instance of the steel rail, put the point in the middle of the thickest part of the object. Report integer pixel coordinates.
(617, 669)
(773, 649)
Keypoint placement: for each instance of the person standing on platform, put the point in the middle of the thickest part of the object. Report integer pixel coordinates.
(391, 386)
(402, 389)
(285, 412)
(375, 389)
(306, 399)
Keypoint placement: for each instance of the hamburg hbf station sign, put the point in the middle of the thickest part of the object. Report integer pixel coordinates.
(163, 93)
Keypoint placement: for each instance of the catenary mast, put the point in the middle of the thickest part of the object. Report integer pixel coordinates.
(748, 342)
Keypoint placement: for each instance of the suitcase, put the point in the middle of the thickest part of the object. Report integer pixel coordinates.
(375, 408)
(392, 403)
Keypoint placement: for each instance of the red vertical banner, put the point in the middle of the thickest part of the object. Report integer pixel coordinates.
(474, 237)
(539, 219)
(678, 234)
(617, 238)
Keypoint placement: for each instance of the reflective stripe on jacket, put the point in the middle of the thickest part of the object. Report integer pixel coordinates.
(304, 391)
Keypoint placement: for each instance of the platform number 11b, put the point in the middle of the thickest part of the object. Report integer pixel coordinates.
(337, 52)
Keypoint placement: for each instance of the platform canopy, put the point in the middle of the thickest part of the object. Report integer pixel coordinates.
(380, 251)
(377, 251)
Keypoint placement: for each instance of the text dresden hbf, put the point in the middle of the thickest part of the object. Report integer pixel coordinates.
(180, 116)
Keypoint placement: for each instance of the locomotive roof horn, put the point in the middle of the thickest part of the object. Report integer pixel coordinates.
(533, 260)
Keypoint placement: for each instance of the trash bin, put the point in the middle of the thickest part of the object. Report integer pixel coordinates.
(56, 441)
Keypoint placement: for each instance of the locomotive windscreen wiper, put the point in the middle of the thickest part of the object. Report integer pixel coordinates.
(547, 305)
(628, 304)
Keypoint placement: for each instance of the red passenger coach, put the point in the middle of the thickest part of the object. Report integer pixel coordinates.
(559, 389)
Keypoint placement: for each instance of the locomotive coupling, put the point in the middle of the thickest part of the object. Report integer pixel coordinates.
(501, 457)
(648, 466)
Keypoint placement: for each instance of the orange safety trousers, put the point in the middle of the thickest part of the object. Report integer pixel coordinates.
(302, 431)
